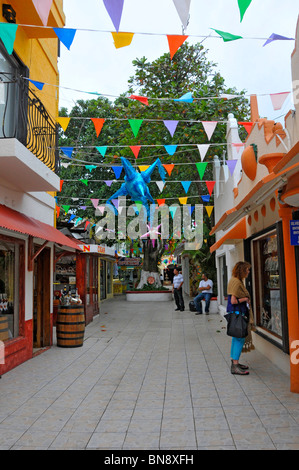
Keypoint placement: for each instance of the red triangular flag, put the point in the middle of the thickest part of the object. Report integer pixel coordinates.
(174, 42)
(135, 149)
(247, 126)
(61, 183)
(142, 99)
(57, 210)
(210, 186)
(98, 124)
(160, 202)
(169, 167)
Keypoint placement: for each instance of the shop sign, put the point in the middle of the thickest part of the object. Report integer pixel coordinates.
(294, 230)
(102, 249)
(129, 261)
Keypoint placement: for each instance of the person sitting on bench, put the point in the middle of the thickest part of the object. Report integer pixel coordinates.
(205, 293)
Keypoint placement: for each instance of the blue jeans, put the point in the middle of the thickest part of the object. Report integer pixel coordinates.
(197, 301)
(236, 348)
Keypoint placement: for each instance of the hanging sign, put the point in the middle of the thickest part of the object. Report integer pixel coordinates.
(294, 231)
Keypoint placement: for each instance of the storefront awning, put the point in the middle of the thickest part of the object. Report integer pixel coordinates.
(14, 220)
(238, 232)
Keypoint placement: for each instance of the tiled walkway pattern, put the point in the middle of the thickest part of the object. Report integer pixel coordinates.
(147, 377)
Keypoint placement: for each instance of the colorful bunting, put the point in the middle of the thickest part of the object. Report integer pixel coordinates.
(102, 150)
(61, 183)
(201, 168)
(247, 126)
(169, 167)
(66, 208)
(143, 167)
(108, 182)
(161, 202)
(135, 125)
(142, 99)
(210, 186)
(231, 165)
(122, 39)
(243, 5)
(135, 149)
(84, 181)
(160, 185)
(57, 211)
(183, 200)
(186, 98)
(38, 85)
(227, 36)
(65, 35)
(277, 37)
(205, 197)
(186, 185)
(43, 8)
(72, 216)
(209, 210)
(64, 122)
(68, 151)
(183, 7)
(90, 167)
(278, 99)
(98, 124)
(8, 35)
(171, 126)
(203, 148)
(117, 171)
(114, 9)
(175, 42)
(209, 127)
(170, 149)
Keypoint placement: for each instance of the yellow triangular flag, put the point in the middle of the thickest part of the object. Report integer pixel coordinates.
(64, 122)
(122, 39)
(209, 210)
(183, 200)
(143, 167)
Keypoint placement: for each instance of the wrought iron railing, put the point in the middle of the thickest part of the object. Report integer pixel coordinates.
(24, 117)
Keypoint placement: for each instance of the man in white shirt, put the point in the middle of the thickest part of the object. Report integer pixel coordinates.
(177, 290)
(205, 293)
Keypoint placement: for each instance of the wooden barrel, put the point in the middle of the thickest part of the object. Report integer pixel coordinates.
(4, 331)
(70, 326)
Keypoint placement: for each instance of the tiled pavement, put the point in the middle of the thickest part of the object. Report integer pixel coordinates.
(147, 377)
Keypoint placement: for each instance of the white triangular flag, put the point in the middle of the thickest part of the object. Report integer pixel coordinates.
(203, 148)
(278, 99)
(226, 172)
(183, 7)
(209, 127)
(160, 185)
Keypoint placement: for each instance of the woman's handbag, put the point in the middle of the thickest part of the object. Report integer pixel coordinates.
(237, 321)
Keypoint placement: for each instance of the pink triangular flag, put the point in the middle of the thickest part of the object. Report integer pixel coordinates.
(209, 127)
(238, 146)
(278, 99)
(95, 202)
(43, 8)
(101, 208)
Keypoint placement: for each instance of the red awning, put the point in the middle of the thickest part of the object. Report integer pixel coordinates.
(14, 220)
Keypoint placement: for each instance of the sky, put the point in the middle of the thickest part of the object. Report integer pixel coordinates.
(94, 64)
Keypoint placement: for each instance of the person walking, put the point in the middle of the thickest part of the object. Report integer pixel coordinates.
(177, 290)
(205, 293)
(237, 293)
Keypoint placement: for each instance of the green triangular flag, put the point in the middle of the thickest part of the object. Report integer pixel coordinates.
(135, 125)
(84, 181)
(8, 35)
(227, 36)
(201, 168)
(243, 5)
(66, 208)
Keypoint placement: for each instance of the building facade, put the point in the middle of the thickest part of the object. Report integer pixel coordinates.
(256, 214)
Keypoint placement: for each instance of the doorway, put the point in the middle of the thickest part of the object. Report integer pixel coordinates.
(41, 300)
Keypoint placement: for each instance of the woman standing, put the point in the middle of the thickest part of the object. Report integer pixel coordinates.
(237, 293)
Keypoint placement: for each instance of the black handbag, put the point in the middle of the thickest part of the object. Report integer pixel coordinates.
(237, 322)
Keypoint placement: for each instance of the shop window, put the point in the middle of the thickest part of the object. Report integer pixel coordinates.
(9, 289)
(267, 284)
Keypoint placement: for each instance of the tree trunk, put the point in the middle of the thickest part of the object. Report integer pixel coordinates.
(152, 252)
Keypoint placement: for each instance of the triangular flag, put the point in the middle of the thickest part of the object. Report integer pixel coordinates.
(108, 182)
(160, 185)
(39, 85)
(8, 35)
(175, 41)
(205, 197)
(143, 167)
(101, 209)
(231, 165)
(201, 168)
(66, 208)
(61, 183)
(102, 150)
(67, 151)
(82, 207)
(238, 146)
(43, 8)
(95, 202)
(203, 148)
(86, 224)
(169, 167)
(209, 210)
(117, 170)
(160, 202)
(170, 149)
(191, 209)
(122, 39)
(172, 211)
(278, 99)
(171, 126)
(114, 9)
(186, 185)
(225, 173)
(135, 125)
(243, 5)
(98, 124)
(135, 149)
(64, 122)
(183, 200)
(210, 186)
(209, 127)
(247, 126)
(84, 181)
(186, 98)
(57, 211)
(277, 37)
(183, 7)
(115, 203)
(142, 99)
(90, 167)
(227, 36)
(72, 217)
(65, 35)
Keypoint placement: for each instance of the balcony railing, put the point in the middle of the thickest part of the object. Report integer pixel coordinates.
(24, 117)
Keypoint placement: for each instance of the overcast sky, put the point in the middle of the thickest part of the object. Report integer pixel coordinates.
(94, 64)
